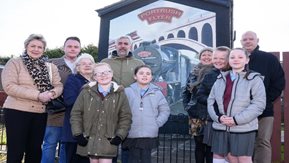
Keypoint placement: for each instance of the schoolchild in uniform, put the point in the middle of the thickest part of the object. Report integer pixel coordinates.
(150, 111)
(100, 118)
(241, 98)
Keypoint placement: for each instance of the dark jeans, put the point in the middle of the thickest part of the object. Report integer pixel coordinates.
(124, 156)
(25, 133)
(202, 151)
(137, 155)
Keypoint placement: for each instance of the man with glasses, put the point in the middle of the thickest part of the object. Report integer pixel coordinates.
(123, 64)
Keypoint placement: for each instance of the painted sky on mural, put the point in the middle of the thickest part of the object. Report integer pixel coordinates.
(148, 31)
(57, 20)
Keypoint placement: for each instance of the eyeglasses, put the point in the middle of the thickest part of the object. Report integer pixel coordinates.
(102, 73)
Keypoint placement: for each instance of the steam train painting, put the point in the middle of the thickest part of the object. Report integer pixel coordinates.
(170, 68)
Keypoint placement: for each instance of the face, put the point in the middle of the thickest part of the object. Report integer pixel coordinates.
(35, 49)
(123, 47)
(71, 49)
(238, 60)
(85, 67)
(206, 57)
(220, 59)
(143, 76)
(249, 41)
(103, 75)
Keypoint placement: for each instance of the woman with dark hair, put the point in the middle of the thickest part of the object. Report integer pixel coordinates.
(202, 151)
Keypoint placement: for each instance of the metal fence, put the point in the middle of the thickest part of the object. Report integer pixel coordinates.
(175, 142)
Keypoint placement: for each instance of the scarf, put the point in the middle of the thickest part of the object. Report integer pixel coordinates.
(199, 71)
(38, 71)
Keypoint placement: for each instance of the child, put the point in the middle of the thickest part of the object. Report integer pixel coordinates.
(150, 111)
(241, 98)
(100, 117)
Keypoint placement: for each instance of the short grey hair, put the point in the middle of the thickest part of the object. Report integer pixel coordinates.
(32, 37)
(82, 56)
(125, 37)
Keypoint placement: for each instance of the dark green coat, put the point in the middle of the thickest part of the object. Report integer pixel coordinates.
(100, 118)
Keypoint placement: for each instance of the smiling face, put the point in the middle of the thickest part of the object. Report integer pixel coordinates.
(103, 74)
(238, 59)
(249, 41)
(220, 60)
(35, 49)
(143, 76)
(206, 57)
(85, 67)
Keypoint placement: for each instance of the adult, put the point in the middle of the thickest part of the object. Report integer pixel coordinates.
(26, 81)
(84, 71)
(123, 64)
(267, 65)
(66, 66)
(202, 151)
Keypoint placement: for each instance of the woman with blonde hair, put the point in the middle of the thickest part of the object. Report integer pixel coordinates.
(26, 81)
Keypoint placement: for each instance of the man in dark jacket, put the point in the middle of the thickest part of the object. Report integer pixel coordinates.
(269, 66)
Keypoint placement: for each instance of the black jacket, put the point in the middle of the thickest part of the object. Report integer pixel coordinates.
(206, 86)
(194, 109)
(205, 89)
(269, 67)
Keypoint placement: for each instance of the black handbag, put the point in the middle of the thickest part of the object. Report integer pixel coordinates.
(55, 106)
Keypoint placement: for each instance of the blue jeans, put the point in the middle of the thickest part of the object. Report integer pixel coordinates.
(51, 139)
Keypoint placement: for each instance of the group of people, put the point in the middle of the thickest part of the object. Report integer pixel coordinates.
(229, 98)
(107, 104)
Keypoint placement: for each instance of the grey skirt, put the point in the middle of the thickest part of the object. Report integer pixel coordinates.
(208, 133)
(238, 144)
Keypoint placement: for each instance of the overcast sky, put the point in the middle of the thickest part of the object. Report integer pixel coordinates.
(58, 19)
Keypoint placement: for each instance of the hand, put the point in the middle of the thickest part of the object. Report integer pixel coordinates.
(228, 121)
(45, 97)
(81, 140)
(115, 141)
(223, 119)
(52, 94)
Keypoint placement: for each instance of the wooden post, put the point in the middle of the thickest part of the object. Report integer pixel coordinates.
(286, 106)
(276, 137)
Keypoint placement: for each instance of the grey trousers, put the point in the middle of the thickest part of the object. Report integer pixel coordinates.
(263, 150)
